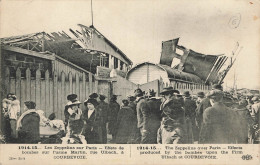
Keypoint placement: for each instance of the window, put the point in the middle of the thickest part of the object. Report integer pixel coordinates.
(115, 63)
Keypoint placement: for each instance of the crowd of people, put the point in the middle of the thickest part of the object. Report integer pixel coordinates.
(173, 118)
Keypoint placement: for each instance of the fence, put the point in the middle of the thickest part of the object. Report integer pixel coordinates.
(49, 93)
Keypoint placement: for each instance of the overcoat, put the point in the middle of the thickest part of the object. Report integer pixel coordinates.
(104, 111)
(112, 119)
(126, 121)
(218, 125)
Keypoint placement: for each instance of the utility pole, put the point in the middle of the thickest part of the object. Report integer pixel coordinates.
(92, 14)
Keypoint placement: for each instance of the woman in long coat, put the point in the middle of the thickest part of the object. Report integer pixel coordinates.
(93, 130)
(28, 124)
(126, 123)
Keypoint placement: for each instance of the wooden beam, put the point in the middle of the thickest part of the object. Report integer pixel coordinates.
(28, 52)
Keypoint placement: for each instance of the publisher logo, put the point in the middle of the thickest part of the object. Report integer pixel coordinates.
(247, 157)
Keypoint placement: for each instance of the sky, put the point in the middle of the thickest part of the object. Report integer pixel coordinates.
(138, 27)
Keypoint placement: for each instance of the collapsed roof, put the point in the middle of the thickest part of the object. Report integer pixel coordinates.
(206, 67)
(82, 47)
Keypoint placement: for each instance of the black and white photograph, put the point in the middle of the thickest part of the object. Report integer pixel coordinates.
(130, 72)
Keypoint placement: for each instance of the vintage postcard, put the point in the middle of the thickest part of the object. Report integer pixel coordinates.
(130, 82)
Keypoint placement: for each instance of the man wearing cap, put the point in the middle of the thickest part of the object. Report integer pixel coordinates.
(112, 117)
(189, 109)
(172, 109)
(104, 109)
(217, 125)
(205, 103)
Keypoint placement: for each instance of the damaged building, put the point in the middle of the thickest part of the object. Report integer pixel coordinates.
(194, 71)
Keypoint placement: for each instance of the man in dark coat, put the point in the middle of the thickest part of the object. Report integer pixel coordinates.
(244, 122)
(189, 109)
(28, 124)
(137, 135)
(126, 121)
(132, 103)
(104, 110)
(172, 109)
(112, 119)
(218, 125)
(143, 115)
(154, 117)
(205, 103)
(200, 96)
